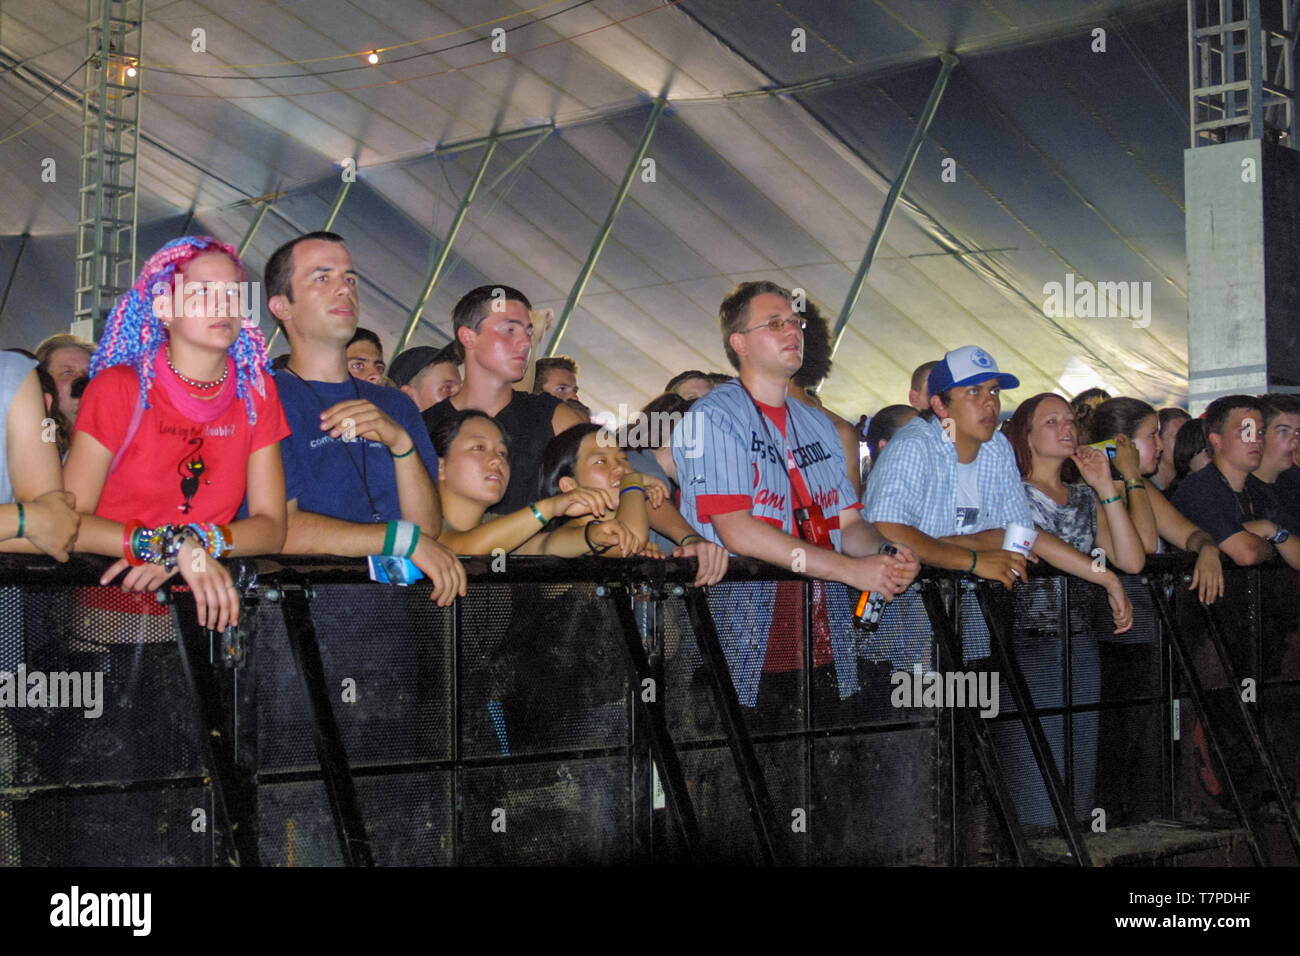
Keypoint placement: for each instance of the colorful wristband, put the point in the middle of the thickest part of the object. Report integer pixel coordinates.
(1133, 484)
(623, 491)
(1109, 501)
(129, 543)
(532, 505)
(688, 538)
(974, 559)
(22, 520)
(401, 539)
(409, 451)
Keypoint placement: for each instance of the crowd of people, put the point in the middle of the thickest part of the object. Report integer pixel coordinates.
(175, 443)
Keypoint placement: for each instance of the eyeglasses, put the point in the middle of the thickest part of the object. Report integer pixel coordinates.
(780, 325)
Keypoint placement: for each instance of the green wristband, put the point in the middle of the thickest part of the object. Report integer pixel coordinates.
(409, 451)
(22, 520)
(1109, 501)
(974, 558)
(532, 505)
(390, 536)
(688, 538)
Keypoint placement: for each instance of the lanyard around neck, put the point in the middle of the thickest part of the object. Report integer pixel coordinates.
(375, 516)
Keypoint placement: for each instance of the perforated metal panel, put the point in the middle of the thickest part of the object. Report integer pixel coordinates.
(139, 797)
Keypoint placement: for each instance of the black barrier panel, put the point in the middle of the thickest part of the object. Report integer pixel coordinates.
(409, 819)
(877, 802)
(727, 832)
(1130, 786)
(551, 812)
(130, 658)
(540, 671)
(171, 827)
(387, 661)
(95, 699)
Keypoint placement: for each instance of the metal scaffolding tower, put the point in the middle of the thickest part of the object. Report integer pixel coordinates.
(110, 143)
(1241, 71)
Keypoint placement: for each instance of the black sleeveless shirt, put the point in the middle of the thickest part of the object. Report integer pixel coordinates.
(526, 420)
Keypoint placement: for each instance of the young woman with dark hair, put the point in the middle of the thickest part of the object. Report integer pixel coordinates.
(1191, 453)
(1153, 516)
(473, 473)
(589, 457)
(881, 429)
(1086, 512)
(1130, 667)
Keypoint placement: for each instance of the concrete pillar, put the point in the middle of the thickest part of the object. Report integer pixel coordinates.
(1243, 269)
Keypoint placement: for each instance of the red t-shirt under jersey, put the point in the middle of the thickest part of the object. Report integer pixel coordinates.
(784, 639)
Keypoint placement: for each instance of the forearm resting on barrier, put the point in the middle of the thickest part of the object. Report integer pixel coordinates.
(958, 552)
(742, 533)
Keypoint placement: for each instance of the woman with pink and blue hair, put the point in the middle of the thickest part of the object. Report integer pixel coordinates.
(180, 421)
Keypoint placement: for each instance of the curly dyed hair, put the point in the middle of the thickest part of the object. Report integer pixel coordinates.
(133, 333)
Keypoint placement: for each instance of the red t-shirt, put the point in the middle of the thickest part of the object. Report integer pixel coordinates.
(784, 648)
(175, 471)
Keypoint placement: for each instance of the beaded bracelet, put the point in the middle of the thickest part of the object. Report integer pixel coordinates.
(212, 536)
(175, 542)
(149, 545)
(161, 545)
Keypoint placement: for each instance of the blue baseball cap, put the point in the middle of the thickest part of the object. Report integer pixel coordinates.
(967, 365)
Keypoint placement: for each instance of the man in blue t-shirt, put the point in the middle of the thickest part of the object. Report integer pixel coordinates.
(358, 464)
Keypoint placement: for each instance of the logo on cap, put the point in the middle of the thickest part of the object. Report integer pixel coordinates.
(981, 359)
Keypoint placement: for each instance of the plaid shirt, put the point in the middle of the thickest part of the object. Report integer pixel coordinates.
(915, 483)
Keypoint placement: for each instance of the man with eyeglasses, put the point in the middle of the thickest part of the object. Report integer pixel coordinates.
(765, 476)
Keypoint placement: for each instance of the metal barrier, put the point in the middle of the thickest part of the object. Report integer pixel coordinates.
(595, 711)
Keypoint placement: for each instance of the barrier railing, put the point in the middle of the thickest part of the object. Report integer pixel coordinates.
(596, 711)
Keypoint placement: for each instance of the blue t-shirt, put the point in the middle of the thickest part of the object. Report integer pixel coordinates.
(341, 479)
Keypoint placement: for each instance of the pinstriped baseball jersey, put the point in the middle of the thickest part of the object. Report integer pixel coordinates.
(731, 457)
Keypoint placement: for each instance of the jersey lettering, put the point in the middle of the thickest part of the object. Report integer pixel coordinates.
(806, 455)
(763, 448)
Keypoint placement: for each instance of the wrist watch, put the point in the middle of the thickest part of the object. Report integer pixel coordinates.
(1279, 536)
